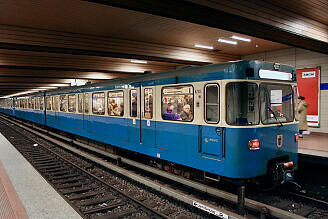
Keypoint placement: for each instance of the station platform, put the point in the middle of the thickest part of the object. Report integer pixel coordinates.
(314, 144)
(24, 193)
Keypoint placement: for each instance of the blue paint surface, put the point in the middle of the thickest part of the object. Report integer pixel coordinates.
(197, 146)
(324, 86)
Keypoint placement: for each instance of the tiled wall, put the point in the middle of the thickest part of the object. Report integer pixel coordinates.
(302, 59)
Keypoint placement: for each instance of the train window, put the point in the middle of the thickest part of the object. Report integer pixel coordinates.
(115, 103)
(37, 103)
(16, 103)
(33, 103)
(63, 103)
(72, 103)
(98, 103)
(55, 102)
(133, 103)
(276, 103)
(41, 103)
(295, 92)
(242, 103)
(86, 102)
(212, 103)
(48, 103)
(80, 103)
(148, 103)
(30, 103)
(178, 103)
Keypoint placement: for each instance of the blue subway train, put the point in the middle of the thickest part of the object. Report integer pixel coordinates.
(232, 120)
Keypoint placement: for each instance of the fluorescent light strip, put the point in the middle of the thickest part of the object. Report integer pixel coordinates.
(227, 41)
(204, 47)
(241, 38)
(139, 61)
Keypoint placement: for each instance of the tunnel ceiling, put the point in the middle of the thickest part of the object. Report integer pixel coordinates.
(45, 44)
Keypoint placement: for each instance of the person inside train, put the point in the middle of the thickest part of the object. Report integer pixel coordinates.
(186, 114)
(121, 109)
(170, 114)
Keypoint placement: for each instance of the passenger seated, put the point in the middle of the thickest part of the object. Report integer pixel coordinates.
(186, 115)
(169, 114)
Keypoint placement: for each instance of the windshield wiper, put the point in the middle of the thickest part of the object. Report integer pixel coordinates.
(269, 109)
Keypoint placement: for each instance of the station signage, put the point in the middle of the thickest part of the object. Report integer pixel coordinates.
(308, 83)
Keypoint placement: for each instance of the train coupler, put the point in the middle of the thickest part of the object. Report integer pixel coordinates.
(283, 172)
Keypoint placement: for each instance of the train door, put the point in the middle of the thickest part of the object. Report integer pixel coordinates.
(148, 124)
(134, 125)
(212, 143)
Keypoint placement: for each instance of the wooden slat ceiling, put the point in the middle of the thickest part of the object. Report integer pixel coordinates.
(50, 43)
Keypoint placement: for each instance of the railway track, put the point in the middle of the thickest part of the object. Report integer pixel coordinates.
(92, 192)
(254, 208)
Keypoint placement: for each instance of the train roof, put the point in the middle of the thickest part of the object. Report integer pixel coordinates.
(219, 71)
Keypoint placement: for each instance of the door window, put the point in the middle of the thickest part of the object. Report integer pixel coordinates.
(212, 103)
(148, 103)
(133, 103)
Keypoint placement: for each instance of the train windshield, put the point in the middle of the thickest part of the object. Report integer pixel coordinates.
(242, 103)
(276, 103)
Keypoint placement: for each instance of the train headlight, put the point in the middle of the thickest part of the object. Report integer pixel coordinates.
(254, 144)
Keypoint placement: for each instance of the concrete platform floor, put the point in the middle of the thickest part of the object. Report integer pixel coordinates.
(315, 144)
(39, 199)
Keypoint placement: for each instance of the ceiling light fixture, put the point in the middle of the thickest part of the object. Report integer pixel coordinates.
(203, 46)
(139, 61)
(227, 41)
(241, 38)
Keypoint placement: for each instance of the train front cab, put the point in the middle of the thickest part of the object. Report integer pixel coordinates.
(261, 130)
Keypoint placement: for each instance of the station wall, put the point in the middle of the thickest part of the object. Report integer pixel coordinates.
(301, 58)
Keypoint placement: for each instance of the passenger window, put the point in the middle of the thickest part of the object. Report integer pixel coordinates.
(212, 103)
(48, 103)
(41, 103)
(37, 103)
(178, 103)
(133, 103)
(80, 101)
(63, 103)
(148, 103)
(33, 103)
(98, 103)
(115, 103)
(86, 102)
(55, 103)
(30, 103)
(72, 103)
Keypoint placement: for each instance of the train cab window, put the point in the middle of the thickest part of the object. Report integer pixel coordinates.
(276, 103)
(41, 103)
(98, 103)
(295, 95)
(133, 103)
(48, 103)
(86, 102)
(63, 103)
(148, 103)
(80, 103)
(212, 103)
(72, 103)
(242, 103)
(115, 103)
(178, 103)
